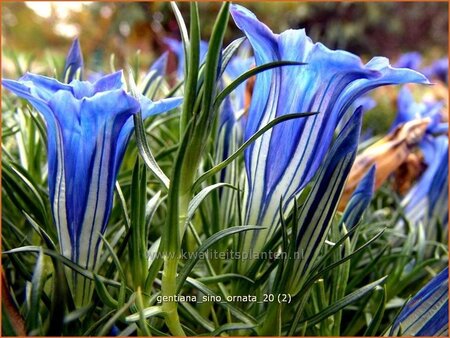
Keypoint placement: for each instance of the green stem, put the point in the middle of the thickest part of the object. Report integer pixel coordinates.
(172, 253)
(271, 324)
(169, 288)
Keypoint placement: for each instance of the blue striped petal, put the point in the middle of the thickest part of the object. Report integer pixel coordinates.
(284, 160)
(319, 208)
(74, 62)
(426, 314)
(360, 199)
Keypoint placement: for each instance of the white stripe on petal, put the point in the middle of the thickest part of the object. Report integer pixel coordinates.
(59, 200)
(96, 201)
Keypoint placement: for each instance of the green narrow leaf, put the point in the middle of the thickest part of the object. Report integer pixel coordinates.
(38, 121)
(33, 321)
(198, 199)
(138, 241)
(184, 273)
(191, 314)
(193, 57)
(103, 293)
(123, 204)
(183, 32)
(228, 52)
(212, 62)
(77, 268)
(47, 239)
(25, 189)
(380, 296)
(146, 313)
(344, 259)
(223, 277)
(107, 327)
(368, 269)
(151, 208)
(232, 327)
(141, 141)
(239, 314)
(248, 74)
(142, 320)
(342, 303)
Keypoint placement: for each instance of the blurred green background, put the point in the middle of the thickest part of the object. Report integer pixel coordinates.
(368, 29)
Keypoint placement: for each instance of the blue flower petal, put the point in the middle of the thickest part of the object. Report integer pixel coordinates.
(42, 87)
(88, 128)
(426, 314)
(286, 158)
(110, 82)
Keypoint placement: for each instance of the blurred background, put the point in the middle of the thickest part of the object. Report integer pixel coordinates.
(368, 29)
(36, 36)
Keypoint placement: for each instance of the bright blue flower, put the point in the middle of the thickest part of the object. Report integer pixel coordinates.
(176, 46)
(285, 159)
(409, 110)
(426, 314)
(438, 70)
(74, 62)
(411, 60)
(88, 127)
(427, 199)
(422, 199)
(438, 198)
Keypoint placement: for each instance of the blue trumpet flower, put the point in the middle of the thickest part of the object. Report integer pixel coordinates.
(438, 70)
(426, 314)
(285, 159)
(428, 198)
(411, 60)
(409, 109)
(88, 127)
